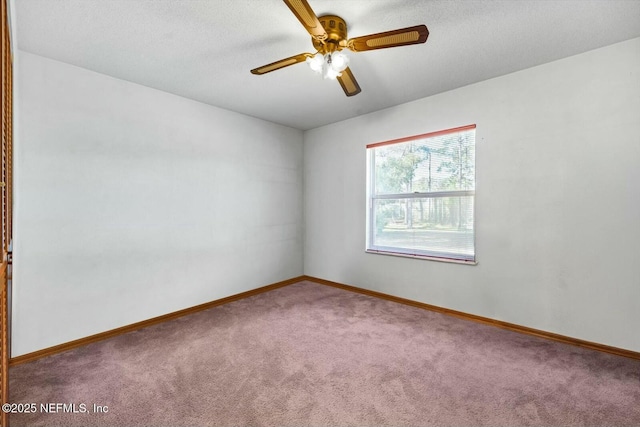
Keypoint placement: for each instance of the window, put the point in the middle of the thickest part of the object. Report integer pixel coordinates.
(421, 192)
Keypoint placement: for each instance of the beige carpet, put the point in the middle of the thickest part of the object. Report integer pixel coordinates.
(308, 354)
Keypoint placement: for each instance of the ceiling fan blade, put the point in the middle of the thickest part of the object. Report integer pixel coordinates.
(307, 18)
(402, 37)
(281, 64)
(349, 83)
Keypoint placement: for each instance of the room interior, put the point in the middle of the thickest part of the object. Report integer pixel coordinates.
(153, 172)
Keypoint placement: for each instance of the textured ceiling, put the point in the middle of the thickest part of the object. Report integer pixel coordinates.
(204, 49)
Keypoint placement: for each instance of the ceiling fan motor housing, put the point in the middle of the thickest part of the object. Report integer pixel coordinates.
(336, 30)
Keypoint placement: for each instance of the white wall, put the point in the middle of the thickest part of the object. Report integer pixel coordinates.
(557, 200)
(134, 203)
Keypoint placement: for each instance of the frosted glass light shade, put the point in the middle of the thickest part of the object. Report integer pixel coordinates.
(339, 61)
(316, 62)
(331, 73)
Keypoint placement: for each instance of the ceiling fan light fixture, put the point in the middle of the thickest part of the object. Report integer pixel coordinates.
(329, 65)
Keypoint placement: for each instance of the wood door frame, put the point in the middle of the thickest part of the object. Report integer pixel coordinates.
(6, 184)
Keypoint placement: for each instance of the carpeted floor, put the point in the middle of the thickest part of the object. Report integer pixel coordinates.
(309, 354)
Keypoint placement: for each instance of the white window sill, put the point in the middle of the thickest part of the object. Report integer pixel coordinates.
(429, 258)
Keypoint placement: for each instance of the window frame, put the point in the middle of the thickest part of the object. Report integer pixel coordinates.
(372, 197)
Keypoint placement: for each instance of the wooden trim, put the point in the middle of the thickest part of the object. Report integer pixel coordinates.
(480, 319)
(30, 357)
(5, 200)
(422, 136)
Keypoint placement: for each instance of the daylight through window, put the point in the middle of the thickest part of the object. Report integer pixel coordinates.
(421, 193)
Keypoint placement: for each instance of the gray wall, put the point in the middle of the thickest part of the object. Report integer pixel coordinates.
(557, 199)
(132, 203)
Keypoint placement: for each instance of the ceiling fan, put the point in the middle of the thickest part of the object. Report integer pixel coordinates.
(329, 38)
